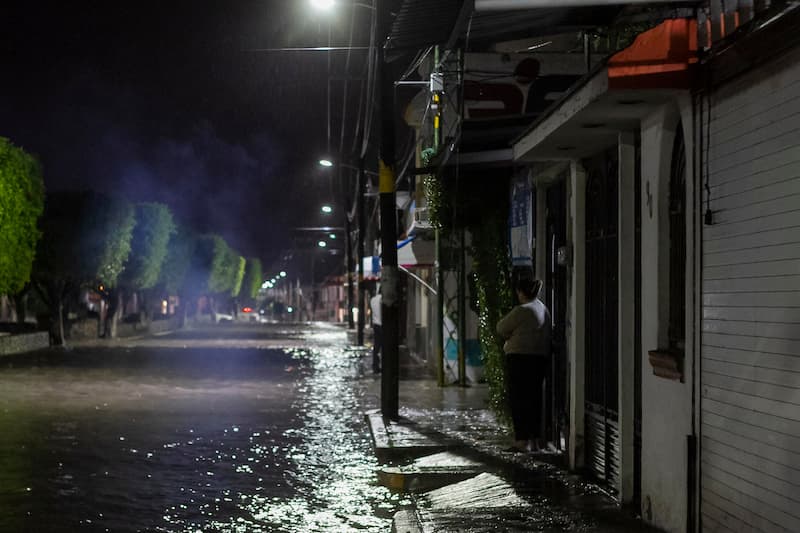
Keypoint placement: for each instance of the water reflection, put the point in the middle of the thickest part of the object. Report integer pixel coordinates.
(195, 439)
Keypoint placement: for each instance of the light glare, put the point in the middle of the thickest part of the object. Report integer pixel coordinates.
(322, 4)
(322, 244)
(326, 162)
(327, 209)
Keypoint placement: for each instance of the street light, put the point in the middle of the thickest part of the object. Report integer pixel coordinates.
(326, 5)
(283, 273)
(327, 209)
(322, 244)
(329, 163)
(322, 4)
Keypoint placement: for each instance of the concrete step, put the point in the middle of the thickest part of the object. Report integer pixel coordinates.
(429, 472)
(396, 441)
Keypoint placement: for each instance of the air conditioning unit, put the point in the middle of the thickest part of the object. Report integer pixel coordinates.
(422, 219)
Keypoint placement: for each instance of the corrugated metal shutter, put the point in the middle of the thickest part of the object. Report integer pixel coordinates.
(751, 305)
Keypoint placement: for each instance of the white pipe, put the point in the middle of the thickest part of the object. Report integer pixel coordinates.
(509, 5)
(419, 279)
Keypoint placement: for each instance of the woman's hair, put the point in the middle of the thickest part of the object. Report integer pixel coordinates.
(529, 287)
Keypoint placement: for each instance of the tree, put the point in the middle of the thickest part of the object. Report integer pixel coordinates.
(21, 205)
(153, 228)
(181, 249)
(151, 236)
(238, 274)
(175, 272)
(210, 270)
(222, 275)
(252, 278)
(86, 239)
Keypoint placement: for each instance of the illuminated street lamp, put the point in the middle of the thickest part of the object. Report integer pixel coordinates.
(326, 162)
(322, 4)
(327, 209)
(332, 235)
(322, 244)
(283, 273)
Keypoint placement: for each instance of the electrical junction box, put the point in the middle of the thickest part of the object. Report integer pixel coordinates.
(437, 82)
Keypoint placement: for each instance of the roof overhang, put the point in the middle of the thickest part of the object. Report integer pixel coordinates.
(615, 96)
(423, 23)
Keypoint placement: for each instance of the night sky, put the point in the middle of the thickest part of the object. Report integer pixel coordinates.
(167, 101)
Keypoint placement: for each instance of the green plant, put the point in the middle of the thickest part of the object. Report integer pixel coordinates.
(453, 204)
(180, 251)
(491, 279)
(86, 239)
(151, 235)
(252, 278)
(21, 205)
(238, 274)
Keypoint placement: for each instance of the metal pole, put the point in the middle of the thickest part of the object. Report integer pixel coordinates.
(440, 297)
(362, 229)
(462, 309)
(389, 306)
(438, 335)
(348, 243)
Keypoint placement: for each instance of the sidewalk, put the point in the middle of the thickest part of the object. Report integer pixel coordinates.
(449, 452)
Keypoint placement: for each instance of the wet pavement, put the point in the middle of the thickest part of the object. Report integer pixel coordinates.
(245, 429)
(476, 484)
(251, 428)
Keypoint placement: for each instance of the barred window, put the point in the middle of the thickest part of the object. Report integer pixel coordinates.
(676, 329)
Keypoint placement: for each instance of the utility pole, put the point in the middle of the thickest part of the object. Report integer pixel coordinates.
(348, 246)
(389, 308)
(362, 230)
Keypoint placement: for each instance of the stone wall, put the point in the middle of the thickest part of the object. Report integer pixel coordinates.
(27, 342)
(87, 329)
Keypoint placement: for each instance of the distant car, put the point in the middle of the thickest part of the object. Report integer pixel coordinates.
(222, 317)
(248, 313)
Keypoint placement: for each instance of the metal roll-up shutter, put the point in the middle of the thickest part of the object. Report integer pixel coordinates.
(750, 366)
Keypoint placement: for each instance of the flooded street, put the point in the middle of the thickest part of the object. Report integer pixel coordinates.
(237, 429)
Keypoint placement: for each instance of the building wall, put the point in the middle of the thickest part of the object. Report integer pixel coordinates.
(750, 432)
(666, 404)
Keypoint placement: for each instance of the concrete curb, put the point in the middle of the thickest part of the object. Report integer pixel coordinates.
(406, 521)
(398, 440)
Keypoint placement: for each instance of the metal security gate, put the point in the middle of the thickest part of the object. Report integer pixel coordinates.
(556, 300)
(601, 395)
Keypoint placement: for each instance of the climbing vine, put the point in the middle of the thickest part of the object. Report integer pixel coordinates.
(494, 298)
(479, 203)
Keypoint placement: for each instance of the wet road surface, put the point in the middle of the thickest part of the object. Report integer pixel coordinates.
(245, 429)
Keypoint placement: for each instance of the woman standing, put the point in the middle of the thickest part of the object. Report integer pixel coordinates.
(526, 330)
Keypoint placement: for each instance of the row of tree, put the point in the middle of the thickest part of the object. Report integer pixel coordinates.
(55, 245)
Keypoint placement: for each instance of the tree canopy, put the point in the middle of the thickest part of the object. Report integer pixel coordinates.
(86, 237)
(238, 275)
(252, 278)
(215, 266)
(21, 205)
(151, 236)
(180, 251)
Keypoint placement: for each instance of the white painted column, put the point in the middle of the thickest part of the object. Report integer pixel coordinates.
(626, 238)
(576, 329)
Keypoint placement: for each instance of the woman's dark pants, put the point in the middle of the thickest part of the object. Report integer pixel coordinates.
(525, 378)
